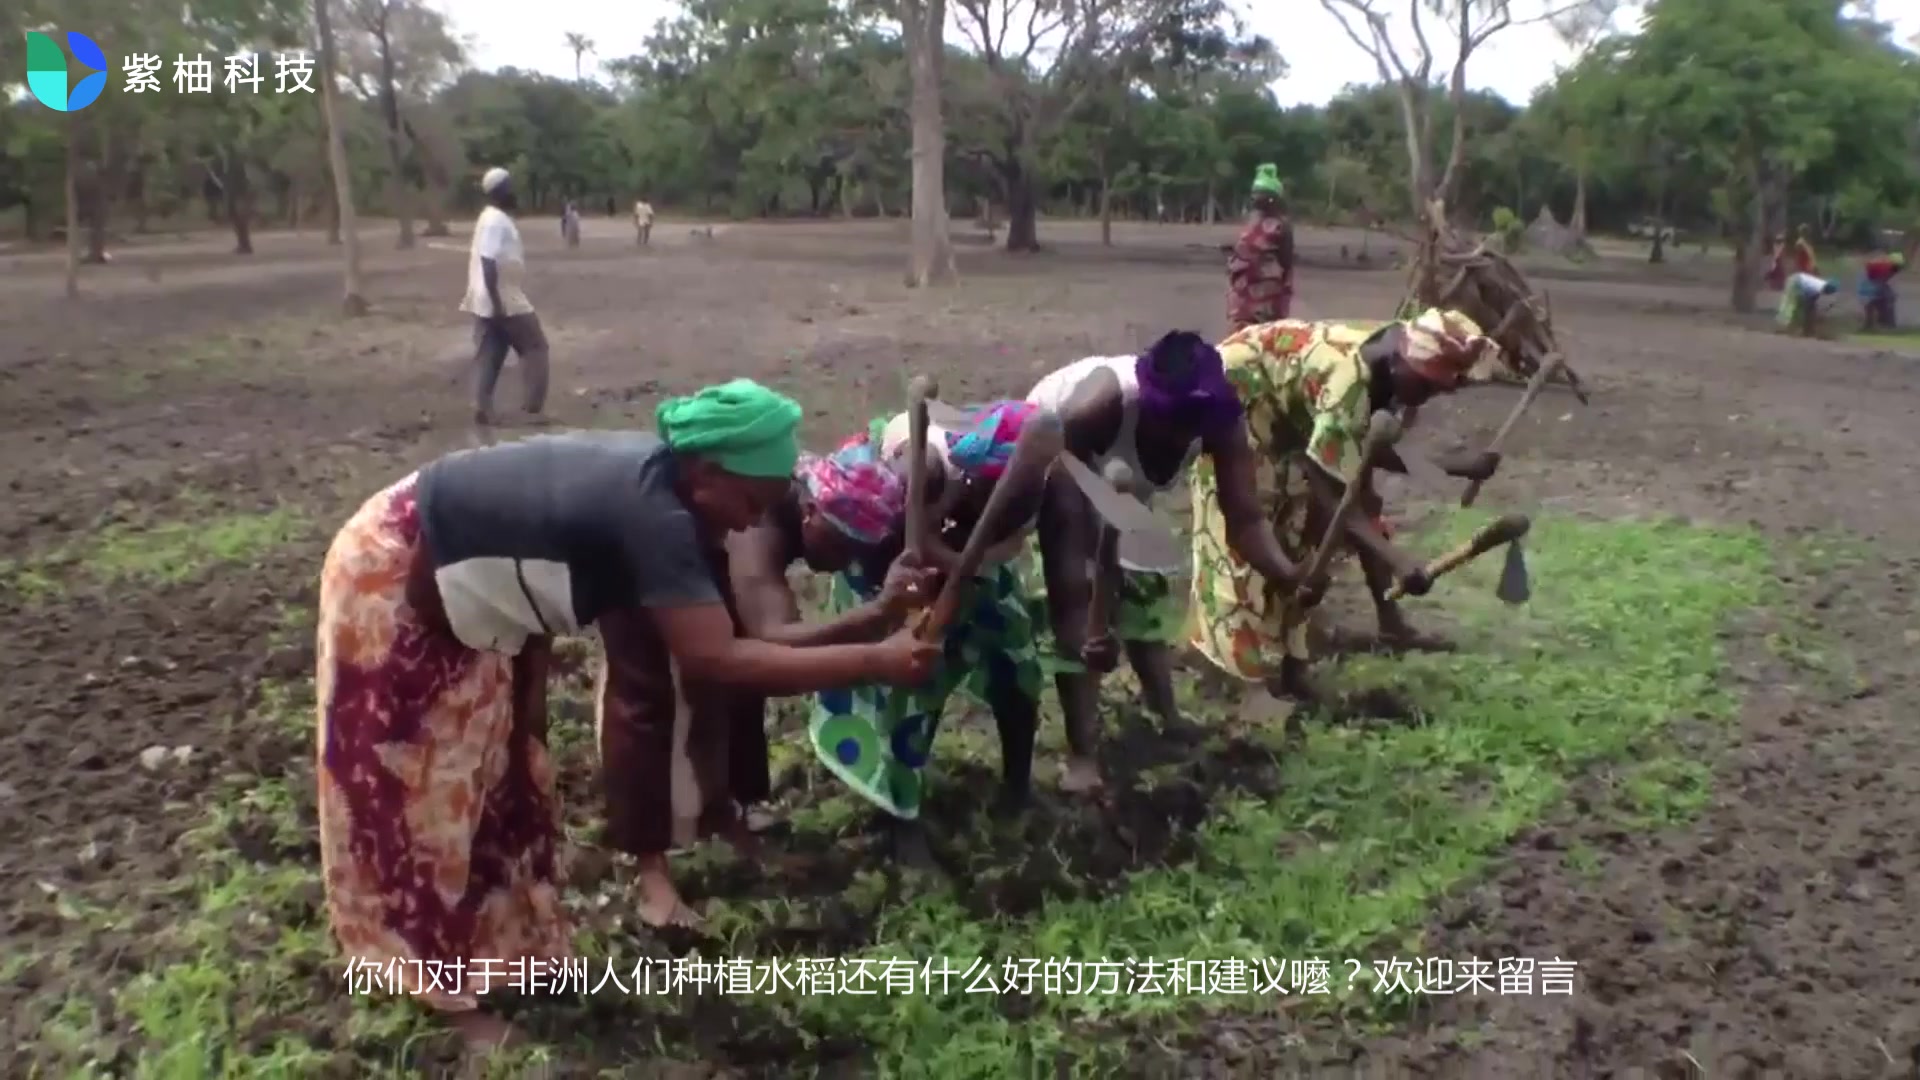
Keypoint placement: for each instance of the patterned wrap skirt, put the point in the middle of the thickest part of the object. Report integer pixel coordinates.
(1237, 621)
(438, 817)
(877, 739)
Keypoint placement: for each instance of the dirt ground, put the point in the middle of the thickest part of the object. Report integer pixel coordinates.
(1771, 935)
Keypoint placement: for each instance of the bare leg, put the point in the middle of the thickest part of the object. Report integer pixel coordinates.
(911, 851)
(1152, 661)
(1293, 683)
(1065, 549)
(1393, 622)
(660, 901)
(1017, 716)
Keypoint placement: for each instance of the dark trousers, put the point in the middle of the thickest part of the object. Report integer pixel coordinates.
(491, 340)
(676, 755)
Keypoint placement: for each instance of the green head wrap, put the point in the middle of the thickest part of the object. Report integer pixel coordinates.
(1266, 180)
(745, 428)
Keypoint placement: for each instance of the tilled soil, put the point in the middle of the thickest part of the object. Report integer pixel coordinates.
(1770, 936)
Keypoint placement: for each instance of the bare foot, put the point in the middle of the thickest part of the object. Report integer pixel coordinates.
(1082, 776)
(1393, 623)
(660, 902)
(910, 848)
(483, 1032)
(1398, 633)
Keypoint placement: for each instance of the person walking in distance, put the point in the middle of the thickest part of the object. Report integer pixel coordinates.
(1260, 263)
(496, 298)
(643, 221)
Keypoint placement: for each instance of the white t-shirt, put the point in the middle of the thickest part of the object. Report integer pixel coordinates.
(642, 213)
(496, 237)
(1054, 391)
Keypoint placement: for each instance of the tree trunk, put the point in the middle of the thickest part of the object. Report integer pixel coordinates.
(73, 206)
(1106, 202)
(390, 107)
(1023, 211)
(1658, 253)
(137, 194)
(930, 256)
(98, 196)
(239, 188)
(1750, 247)
(436, 212)
(1577, 225)
(352, 300)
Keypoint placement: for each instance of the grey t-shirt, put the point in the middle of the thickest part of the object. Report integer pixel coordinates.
(545, 535)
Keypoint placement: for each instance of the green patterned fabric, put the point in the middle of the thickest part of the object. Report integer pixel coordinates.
(878, 739)
(1150, 608)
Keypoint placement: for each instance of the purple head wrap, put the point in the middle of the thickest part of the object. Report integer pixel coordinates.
(1183, 382)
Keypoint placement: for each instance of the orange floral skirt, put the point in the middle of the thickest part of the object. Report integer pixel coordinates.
(438, 817)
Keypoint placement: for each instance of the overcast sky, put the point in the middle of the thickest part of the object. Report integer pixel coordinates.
(1321, 59)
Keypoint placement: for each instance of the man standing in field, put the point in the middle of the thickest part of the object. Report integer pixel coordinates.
(1260, 265)
(503, 317)
(642, 221)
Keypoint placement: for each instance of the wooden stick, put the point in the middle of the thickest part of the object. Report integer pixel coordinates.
(1499, 532)
(1548, 365)
(1040, 442)
(1383, 430)
(920, 390)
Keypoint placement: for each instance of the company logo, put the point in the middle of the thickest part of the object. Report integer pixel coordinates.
(47, 69)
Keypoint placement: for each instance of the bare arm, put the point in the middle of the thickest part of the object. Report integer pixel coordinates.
(702, 641)
(1249, 533)
(768, 608)
(1465, 464)
(1091, 415)
(490, 274)
(1360, 529)
(1106, 578)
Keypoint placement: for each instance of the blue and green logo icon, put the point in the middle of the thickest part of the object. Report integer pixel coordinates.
(47, 70)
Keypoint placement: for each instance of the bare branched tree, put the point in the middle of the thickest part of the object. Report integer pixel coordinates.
(1046, 59)
(1449, 269)
(1467, 25)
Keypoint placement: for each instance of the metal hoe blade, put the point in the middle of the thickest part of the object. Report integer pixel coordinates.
(1516, 584)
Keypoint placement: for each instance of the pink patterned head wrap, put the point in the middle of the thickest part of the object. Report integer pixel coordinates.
(860, 496)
